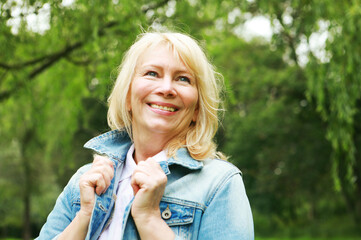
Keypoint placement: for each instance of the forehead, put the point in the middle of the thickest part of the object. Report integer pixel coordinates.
(162, 55)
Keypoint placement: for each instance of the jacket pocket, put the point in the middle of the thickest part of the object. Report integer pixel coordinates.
(180, 216)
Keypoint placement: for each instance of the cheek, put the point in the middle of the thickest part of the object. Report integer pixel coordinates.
(137, 92)
(191, 99)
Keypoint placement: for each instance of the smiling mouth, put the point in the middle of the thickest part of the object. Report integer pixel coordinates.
(169, 109)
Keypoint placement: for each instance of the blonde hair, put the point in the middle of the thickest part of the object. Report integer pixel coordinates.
(198, 139)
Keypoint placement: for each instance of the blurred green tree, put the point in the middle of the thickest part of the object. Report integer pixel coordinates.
(281, 101)
(332, 75)
(53, 84)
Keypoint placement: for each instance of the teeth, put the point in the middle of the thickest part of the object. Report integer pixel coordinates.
(170, 109)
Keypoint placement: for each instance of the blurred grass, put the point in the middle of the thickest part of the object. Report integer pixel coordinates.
(10, 239)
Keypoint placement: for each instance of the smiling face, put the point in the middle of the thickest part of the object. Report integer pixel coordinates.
(163, 95)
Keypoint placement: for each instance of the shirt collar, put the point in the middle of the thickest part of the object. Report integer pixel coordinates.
(116, 144)
(130, 162)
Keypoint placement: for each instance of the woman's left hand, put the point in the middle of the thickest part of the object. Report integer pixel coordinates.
(148, 183)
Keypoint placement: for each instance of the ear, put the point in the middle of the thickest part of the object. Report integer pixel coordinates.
(195, 115)
(129, 105)
(129, 102)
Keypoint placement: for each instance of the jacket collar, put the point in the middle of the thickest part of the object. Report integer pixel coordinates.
(116, 144)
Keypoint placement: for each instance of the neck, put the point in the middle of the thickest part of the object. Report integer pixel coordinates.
(148, 145)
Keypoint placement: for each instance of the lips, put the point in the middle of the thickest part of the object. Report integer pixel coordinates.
(168, 108)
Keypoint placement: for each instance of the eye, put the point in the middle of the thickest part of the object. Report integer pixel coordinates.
(184, 79)
(152, 74)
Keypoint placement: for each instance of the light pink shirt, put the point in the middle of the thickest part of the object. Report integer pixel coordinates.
(124, 195)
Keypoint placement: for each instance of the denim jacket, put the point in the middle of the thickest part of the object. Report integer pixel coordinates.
(202, 199)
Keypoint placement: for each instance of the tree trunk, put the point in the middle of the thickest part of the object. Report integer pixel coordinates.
(357, 170)
(350, 193)
(27, 201)
(27, 184)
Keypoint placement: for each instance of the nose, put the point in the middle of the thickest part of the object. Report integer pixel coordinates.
(166, 87)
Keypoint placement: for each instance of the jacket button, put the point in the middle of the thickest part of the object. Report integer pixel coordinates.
(166, 214)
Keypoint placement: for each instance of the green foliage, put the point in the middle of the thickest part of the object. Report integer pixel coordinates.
(292, 127)
(336, 85)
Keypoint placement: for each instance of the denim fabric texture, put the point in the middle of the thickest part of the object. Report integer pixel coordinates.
(202, 199)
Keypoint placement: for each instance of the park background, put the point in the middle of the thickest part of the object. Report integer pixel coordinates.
(292, 124)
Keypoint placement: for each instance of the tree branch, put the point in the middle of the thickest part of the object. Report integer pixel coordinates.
(151, 6)
(289, 39)
(5, 94)
(3, 75)
(54, 58)
(78, 62)
(101, 32)
(24, 64)
(51, 59)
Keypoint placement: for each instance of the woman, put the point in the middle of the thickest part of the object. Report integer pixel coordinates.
(157, 175)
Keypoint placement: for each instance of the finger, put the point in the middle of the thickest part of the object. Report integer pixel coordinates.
(152, 169)
(138, 180)
(143, 167)
(153, 164)
(135, 188)
(149, 165)
(107, 172)
(150, 160)
(94, 181)
(100, 184)
(103, 166)
(107, 178)
(98, 159)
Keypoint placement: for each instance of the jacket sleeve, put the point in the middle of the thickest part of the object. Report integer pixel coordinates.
(228, 214)
(63, 212)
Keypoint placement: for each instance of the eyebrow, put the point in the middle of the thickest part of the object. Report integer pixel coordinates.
(182, 70)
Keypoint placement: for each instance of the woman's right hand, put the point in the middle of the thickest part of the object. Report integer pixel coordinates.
(96, 180)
